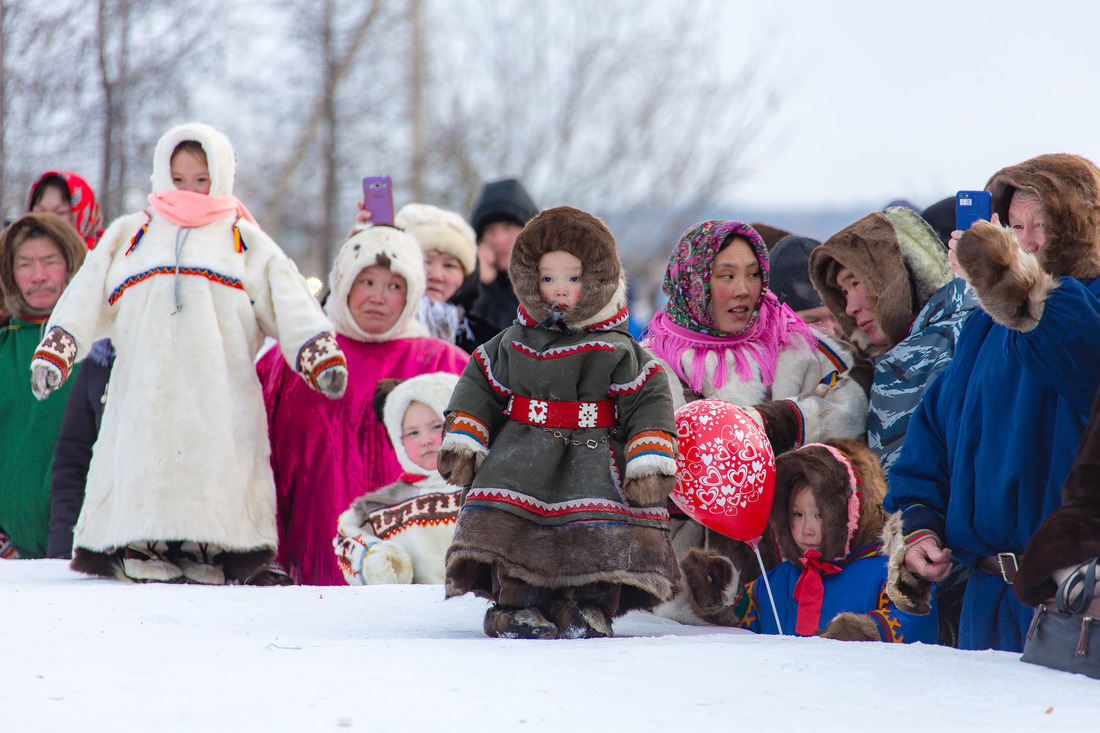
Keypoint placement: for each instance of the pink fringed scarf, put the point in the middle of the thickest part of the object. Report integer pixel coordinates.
(687, 321)
(190, 209)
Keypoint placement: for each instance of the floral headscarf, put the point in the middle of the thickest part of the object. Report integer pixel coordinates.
(687, 321)
(89, 218)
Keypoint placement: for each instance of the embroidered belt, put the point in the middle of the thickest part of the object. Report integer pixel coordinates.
(571, 415)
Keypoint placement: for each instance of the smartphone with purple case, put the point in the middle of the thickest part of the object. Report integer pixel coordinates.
(378, 199)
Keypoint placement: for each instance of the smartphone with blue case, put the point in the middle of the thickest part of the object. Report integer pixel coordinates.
(378, 199)
(970, 206)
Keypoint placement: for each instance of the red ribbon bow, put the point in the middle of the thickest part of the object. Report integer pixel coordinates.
(809, 592)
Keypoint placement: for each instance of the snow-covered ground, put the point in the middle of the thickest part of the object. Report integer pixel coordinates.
(79, 654)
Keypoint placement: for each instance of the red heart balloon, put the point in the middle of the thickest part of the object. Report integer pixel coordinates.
(725, 470)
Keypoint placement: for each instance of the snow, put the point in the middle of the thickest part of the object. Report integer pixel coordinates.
(84, 654)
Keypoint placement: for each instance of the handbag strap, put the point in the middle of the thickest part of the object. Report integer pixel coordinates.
(1076, 592)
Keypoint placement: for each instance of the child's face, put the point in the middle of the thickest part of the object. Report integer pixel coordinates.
(443, 274)
(805, 520)
(377, 298)
(560, 279)
(189, 173)
(421, 434)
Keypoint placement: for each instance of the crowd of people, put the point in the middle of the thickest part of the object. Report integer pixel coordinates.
(466, 406)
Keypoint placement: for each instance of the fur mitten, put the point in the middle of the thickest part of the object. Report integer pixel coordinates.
(712, 582)
(333, 381)
(651, 490)
(458, 464)
(53, 362)
(322, 364)
(909, 592)
(781, 423)
(1009, 282)
(851, 627)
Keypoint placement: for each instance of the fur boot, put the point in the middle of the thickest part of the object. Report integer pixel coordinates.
(518, 623)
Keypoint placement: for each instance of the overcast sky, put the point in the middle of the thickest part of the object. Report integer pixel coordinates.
(915, 100)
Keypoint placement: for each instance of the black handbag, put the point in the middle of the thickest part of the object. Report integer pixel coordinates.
(1062, 635)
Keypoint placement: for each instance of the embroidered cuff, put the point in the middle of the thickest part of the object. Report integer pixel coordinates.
(58, 349)
(651, 452)
(468, 430)
(318, 354)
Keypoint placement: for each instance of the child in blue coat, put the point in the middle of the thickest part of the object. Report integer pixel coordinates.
(827, 517)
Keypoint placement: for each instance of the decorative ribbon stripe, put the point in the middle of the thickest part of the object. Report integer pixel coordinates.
(170, 270)
(651, 443)
(569, 512)
(425, 510)
(648, 370)
(569, 415)
(832, 356)
(140, 233)
(471, 427)
(238, 240)
(889, 626)
(800, 419)
(562, 350)
(482, 358)
(615, 320)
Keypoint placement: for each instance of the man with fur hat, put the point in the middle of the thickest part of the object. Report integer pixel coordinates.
(827, 518)
(993, 440)
(561, 433)
(500, 213)
(39, 254)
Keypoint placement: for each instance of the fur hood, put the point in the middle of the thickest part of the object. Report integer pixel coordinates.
(586, 238)
(377, 245)
(831, 484)
(50, 225)
(392, 398)
(220, 158)
(899, 260)
(438, 229)
(1069, 188)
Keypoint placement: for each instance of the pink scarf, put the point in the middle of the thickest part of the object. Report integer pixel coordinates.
(190, 209)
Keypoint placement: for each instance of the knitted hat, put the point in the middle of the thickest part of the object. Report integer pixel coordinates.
(377, 245)
(790, 272)
(899, 260)
(848, 486)
(581, 235)
(1069, 188)
(438, 229)
(505, 200)
(55, 228)
(220, 158)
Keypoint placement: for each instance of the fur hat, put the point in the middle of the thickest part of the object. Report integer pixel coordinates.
(392, 398)
(51, 226)
(504, 200)
(898, 258)
(849, 519)
(377, 245)
(1069, 188)
(220, 158)
(586, 238)
(438, 229)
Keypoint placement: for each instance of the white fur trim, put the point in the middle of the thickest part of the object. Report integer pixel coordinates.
(433, 390)
(650, 466)
(362, 251)
(454, 441)
(438, 229)
(613, 306)
(921, 251)
(220, 158)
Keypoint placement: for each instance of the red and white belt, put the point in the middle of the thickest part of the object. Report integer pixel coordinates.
(553, 414)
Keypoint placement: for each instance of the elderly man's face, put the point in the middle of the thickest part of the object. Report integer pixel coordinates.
(40, 272)
(1025, 217)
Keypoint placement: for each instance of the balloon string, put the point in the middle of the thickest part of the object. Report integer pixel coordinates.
(771, 598)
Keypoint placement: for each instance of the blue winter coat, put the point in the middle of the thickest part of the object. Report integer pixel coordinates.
(860, 587)
(992, 442)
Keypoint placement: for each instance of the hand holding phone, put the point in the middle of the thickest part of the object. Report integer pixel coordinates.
(378, 199)
(971, 206)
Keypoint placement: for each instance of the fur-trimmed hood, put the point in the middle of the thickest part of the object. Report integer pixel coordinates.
(392, 398)
(438, 229)
(25, 227)
(898, 258)
(377, 245)
(220, 158)
(1069, 188)
(831, 484)
(586, 238)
